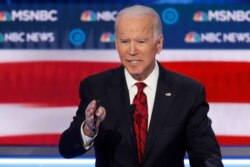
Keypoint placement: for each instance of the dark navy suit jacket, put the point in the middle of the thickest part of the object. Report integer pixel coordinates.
(179, 124)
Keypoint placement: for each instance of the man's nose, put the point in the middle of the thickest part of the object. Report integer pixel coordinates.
(132, 49)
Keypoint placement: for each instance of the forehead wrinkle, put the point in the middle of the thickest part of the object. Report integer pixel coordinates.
(143, 30)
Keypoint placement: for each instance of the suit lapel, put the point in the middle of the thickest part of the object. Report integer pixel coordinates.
(119, 97)
(164, 98)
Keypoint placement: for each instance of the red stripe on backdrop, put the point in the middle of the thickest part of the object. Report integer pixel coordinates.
(224, 81)
(45, 83)
(53, 140)
(32, 140)
(234, 140)
(56, 83)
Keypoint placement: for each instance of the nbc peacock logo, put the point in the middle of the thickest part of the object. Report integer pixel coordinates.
(200, 16)
(88, 16)
(5, 16)
(1, 38)
(192, 37)
(107, 37)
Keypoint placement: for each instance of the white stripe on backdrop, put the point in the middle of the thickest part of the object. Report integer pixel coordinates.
(38, 120)
(112, 56)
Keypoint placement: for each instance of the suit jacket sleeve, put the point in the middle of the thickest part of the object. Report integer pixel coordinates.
(202, 147)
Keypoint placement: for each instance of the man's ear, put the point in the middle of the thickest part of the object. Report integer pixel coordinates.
(116, 43)
(116, 40)
(159, 44)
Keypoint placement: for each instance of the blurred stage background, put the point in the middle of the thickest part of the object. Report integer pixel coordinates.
(48, 46)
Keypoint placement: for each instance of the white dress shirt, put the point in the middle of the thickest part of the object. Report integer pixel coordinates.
(149, 90)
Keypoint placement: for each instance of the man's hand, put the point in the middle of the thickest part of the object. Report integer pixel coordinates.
(100, 113)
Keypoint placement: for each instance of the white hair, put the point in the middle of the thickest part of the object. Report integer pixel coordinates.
(140, 10)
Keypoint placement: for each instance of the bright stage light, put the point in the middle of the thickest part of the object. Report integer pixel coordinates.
(91, 162)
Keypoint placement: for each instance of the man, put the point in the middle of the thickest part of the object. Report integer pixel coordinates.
(173, 106)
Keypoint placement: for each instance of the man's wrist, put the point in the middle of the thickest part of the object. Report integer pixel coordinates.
(87, 141)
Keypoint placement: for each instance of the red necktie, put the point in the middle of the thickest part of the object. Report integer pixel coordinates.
(140, 119)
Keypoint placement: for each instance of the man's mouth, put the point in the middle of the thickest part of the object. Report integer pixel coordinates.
(134, 62)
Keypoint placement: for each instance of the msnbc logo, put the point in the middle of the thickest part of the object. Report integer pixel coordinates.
(222, 16)
(5, 16)
(192, 37)
(29, 15)
(200, 16)
(88, 16)
(107, 37)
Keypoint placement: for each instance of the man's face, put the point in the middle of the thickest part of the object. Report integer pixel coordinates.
(137, 46)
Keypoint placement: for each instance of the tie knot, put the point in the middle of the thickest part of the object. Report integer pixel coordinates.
(140, 86)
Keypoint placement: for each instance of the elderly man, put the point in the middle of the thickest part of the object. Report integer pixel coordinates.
(147, 116)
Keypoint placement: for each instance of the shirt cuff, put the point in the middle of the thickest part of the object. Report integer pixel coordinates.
(87, 141)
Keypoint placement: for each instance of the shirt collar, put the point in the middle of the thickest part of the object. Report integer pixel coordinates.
(150, 81)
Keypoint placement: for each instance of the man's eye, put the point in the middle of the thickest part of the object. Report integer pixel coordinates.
(141, 42)
(124, 41)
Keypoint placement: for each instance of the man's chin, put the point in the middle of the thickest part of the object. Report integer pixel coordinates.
(137, 76)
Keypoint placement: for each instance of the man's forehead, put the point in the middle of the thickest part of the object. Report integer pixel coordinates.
(130, 22)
